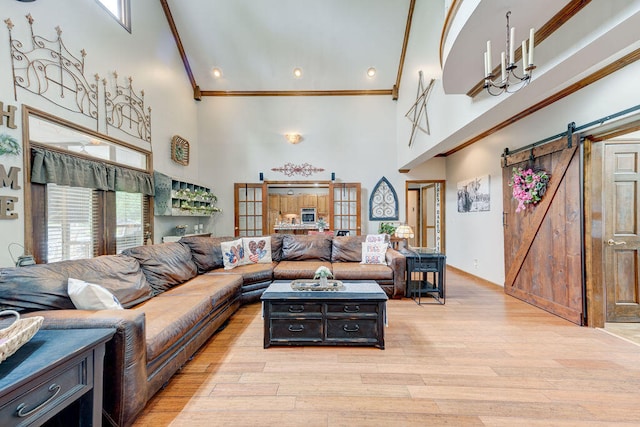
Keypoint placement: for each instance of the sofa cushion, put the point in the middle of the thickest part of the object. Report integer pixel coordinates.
(251, 273)
(296, 247)
(276, 247)
(205, 251)
(173, 314)
(165, 265)
(298, 269)
(357, 271)
(44, 286)
(347, 249)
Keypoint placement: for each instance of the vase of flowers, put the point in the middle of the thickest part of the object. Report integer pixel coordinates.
(528, 186)
(323, 273)
(321, 224)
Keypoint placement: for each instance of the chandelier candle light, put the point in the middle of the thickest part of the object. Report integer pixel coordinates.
(508, 76)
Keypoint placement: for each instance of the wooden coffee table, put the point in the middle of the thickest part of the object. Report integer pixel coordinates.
(354, 316)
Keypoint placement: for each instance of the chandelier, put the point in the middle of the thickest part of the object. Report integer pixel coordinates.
(508, 80)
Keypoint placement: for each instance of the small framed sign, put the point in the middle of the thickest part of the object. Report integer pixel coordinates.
(180, 150)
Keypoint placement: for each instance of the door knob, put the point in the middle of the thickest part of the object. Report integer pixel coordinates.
(612, 242)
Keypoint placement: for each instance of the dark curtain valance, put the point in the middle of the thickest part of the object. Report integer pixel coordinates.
(63, 169)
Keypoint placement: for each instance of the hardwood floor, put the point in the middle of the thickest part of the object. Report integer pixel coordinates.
(482, 359)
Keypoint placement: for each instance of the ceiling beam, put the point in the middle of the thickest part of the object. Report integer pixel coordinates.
(403, 53)
(373, 92)
(176, 36)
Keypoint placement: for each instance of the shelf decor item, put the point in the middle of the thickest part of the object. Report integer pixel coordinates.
(180, 150)
(18, 333)
(528, 186)
(323, 273)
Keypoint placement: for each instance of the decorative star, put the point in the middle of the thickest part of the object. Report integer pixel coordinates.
(418, 110)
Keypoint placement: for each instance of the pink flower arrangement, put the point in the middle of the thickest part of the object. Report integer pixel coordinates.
(528, 186)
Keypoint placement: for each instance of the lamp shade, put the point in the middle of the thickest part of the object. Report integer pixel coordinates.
(404, 232)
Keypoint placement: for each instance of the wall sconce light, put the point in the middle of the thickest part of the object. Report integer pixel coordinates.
(293, 138)
(217, 72)
(371, 72)
(297, 72)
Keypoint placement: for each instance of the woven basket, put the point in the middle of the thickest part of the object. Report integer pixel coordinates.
(18, 333)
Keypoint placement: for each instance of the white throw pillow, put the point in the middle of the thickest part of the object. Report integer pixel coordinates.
(374, 253)
(257, 249)
(233, 254)
(88, 296)
(374, 238)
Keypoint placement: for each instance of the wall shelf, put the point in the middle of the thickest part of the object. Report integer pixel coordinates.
(174, 197)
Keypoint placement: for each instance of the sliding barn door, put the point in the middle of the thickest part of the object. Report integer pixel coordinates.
(543, 249)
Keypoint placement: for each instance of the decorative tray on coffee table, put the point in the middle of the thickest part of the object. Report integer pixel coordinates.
(315, 285)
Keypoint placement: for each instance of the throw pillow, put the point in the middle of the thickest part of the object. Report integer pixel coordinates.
(257, 249)
(374, 253)
(233, 254)
(88, 296)
(373, 238)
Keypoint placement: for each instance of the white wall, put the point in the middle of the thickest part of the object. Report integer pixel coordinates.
(478, 236)
(148, 55)
(243, 136)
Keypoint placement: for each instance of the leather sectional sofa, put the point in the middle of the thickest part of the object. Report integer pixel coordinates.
(176, 296)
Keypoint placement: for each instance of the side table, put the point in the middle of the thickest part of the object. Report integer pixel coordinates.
(430, 267)
(55, 369)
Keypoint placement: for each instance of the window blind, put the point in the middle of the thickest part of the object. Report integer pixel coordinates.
(130, 220)
(71, 228)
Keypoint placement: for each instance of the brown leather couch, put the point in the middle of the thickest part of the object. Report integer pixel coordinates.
(175, 295)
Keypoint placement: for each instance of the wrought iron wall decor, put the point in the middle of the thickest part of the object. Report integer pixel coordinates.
(125, 110)
(418, 111)
(305, 169)
(48, 69)
(383, 203)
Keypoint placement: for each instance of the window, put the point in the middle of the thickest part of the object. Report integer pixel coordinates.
(76, 179)
(120, 9)
(130, 220)
(70, 223)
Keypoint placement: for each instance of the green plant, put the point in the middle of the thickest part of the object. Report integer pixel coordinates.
(9, 145)
(387, 228)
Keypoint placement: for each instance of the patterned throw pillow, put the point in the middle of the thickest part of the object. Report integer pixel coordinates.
(378, 238)
(233, 254)
(257, 249)
(374, 253)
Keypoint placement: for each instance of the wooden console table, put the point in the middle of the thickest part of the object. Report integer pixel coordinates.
(52, 371)
(430, 267)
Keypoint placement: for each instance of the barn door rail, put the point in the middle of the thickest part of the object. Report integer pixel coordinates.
(571, 129)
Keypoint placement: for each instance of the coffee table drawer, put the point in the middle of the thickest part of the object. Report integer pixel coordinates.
(295, 308)
(352, 330)
(291, 330)
(352, 308)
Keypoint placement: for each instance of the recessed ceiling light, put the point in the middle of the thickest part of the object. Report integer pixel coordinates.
(297, 72)
(217, 72)
(371, 72)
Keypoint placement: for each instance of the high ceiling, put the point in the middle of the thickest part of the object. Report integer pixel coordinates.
(257, 44)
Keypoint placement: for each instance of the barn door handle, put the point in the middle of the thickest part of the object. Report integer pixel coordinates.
(612, 242)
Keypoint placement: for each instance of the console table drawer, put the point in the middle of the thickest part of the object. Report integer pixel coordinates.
(424, 265)
(32, 401)
(353, 330)
(296, 330)
(353, 308)
(295, 308)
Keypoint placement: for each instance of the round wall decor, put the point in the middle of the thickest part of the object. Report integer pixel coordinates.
(180, 150)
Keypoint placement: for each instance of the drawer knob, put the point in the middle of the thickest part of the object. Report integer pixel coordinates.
(354, 328)
(296, 328)
(296, 308)
(53, 388)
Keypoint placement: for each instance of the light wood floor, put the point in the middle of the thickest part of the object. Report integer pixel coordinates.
(482, 359)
